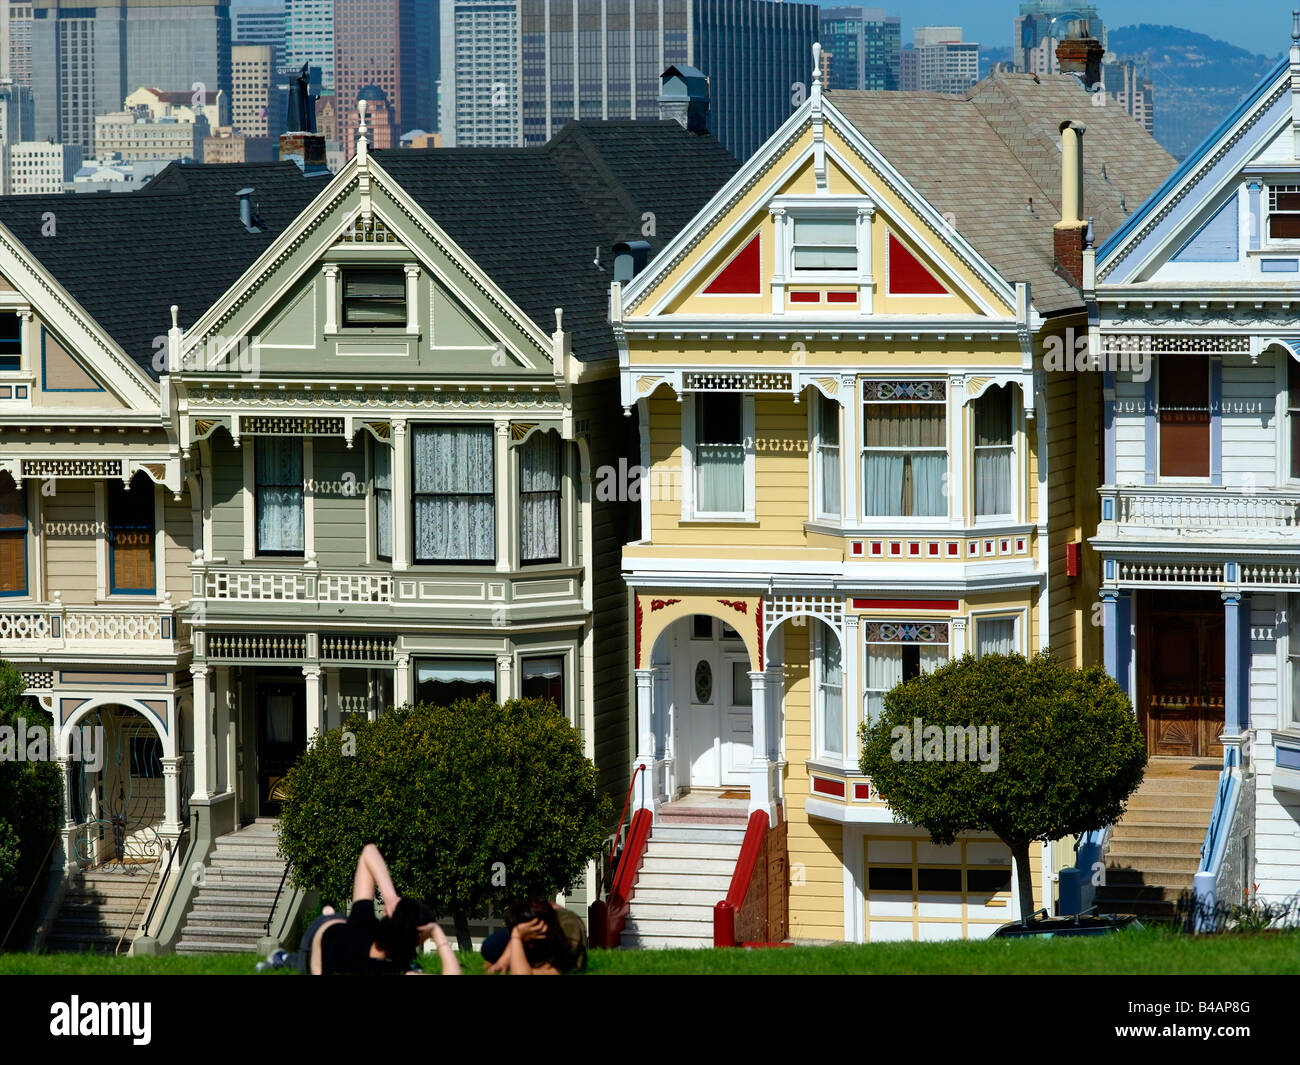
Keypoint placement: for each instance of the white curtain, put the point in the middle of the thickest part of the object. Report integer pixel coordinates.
(928, 499)
(828, 454)
(995, 636)
(278, 463)
(883, 493)
(884, 671)
(453, 493)
(383, 500)
(720, 478)
(830, 684)
(932, 657)
(904, 459)
(539, 497)
(993, 428)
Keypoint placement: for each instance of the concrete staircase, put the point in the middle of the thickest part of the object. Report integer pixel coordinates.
(1156, 848)
(239, 887)
(98, 906)
(686, 871)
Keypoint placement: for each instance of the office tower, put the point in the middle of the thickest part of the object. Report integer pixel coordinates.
(18, 50)
(39, 168)
(263, 24)
(309, 37)
(17, 112)
(939, 61)
(1043, 23)
(1128, 80)
(863, 44)
(86, 59)
(480, 44)
(389, 45)
(252, 75)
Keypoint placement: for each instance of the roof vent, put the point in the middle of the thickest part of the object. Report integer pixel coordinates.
(630, 257)
(251, 222)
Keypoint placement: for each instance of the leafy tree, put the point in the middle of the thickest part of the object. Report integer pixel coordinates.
(1068, 752)
(31, 801)
(473, 804)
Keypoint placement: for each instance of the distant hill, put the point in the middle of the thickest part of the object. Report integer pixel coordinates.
(1196, 79)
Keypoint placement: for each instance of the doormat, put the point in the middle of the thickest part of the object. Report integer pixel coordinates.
(734, 795)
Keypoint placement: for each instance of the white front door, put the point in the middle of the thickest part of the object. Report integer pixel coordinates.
(716, 729)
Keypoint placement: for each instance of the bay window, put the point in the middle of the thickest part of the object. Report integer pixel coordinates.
(826, 448)
(131, 537)
(278, 493)
(719, 453)
(540, 472)
(1184, 406)
(829, 679)
(897, 651)
(453, 493)
(994, 428)
(905, 449)
(383, 490)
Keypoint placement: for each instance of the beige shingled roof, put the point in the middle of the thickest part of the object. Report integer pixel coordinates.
(981, 158)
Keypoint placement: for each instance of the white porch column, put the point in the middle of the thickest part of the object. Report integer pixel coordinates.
(331, 298)
(851, 699)
(762, 792)
(849, 450)
(959, 639)
(315, 702)
(401, 482)
(402, 679)
(221, 781)
(202, 734)
(68, 771)
(505, 667)
(172, 826)
(504, 491)
(957, 447)
(645, 739)
(333, 701)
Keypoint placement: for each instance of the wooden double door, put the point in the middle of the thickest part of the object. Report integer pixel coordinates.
(1181, 673)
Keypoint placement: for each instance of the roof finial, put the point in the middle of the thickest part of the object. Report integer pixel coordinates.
(817, 69)
(361, 128)
(1295, 27)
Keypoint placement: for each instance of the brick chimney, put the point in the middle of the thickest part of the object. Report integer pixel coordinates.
(1069, 235)
(1080, 53)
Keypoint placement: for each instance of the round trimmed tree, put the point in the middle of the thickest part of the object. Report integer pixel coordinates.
(472, 805)
(1028, 749)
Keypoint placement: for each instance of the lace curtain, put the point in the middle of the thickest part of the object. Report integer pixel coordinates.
(278, 463)
(383, 500)
(453, 493)
(539, 498)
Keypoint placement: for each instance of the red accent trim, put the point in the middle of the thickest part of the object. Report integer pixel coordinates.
(905, 604)
(735, 604)
(724, 913)
(895, 548)
(857, 547)
(637, 654)
(758, 622)
(908, 276)
(841, 297)
(914, 548)
(659, 604)
(823, 786)
(1073, 555)
(876, 547)
(953, 548)
(934, 549)
(862, 791)
(805, 297)
(743, 275)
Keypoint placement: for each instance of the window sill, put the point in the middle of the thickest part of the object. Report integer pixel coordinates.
(370, 333)
(742, 519)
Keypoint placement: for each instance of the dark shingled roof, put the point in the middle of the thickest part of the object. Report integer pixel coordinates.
(982, 156)
(532, 218)
(127, 257)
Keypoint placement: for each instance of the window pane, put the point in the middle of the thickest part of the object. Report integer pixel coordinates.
(830, 695)
(539, 483)
(453, 493)
(1293, 390)
(131, 536)
(374, 297)
(717, 418)
(543, 678)
(742, 689)
(278, 474)
(1184, 399)
(442, 681)
(828, 420)
(993, 453)
(824, 231)
(995, 636)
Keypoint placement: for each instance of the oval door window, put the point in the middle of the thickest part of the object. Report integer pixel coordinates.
(703, 682)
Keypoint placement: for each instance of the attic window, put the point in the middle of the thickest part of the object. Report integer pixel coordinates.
(1284, 212)
(825, 244)
(11, 342)
(374, 298)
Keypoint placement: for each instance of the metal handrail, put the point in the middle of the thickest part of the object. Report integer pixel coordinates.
(276, 901)
(136, 908)
(618, 832)
(175, 851)
(23, 905)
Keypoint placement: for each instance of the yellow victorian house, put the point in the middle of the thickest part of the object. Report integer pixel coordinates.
(869, 448)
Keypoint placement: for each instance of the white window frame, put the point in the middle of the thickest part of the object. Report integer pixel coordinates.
(1291, 720)
(817, 422)
(1017, 617)
(249, 493)
(785, 210)
(689, 511)
(1290, 418)
(865, 644)
(1017, 473)
(1267, 240)
(820, 637)
(950, 430)
(1209, 392)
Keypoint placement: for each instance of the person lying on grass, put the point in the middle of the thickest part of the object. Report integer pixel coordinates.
(362, 944)
(540, 940)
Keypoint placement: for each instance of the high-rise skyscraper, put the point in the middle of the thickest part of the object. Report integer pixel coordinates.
(480, 43)
(1038, 28)
(939, 61)
(390, 45)
(863, 44)
(262, 23)
(253, 76)
(87, 58)
(515, 71)
(309, 37)
(18, 47)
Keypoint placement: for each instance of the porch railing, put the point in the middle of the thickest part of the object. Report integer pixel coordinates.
(1198, 510)
(57, 625)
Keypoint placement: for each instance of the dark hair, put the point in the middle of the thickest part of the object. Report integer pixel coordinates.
(549, 947)
(399, 936)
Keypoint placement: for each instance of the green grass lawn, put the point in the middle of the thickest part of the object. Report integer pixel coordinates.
(1150, 951)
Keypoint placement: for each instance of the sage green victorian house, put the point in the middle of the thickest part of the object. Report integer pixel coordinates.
(392, 424)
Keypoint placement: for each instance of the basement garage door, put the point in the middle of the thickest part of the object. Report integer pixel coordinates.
(916, 890)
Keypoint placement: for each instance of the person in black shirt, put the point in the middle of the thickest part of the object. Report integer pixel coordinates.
(364, 944)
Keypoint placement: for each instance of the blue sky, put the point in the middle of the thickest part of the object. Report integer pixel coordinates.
(1262, 26)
